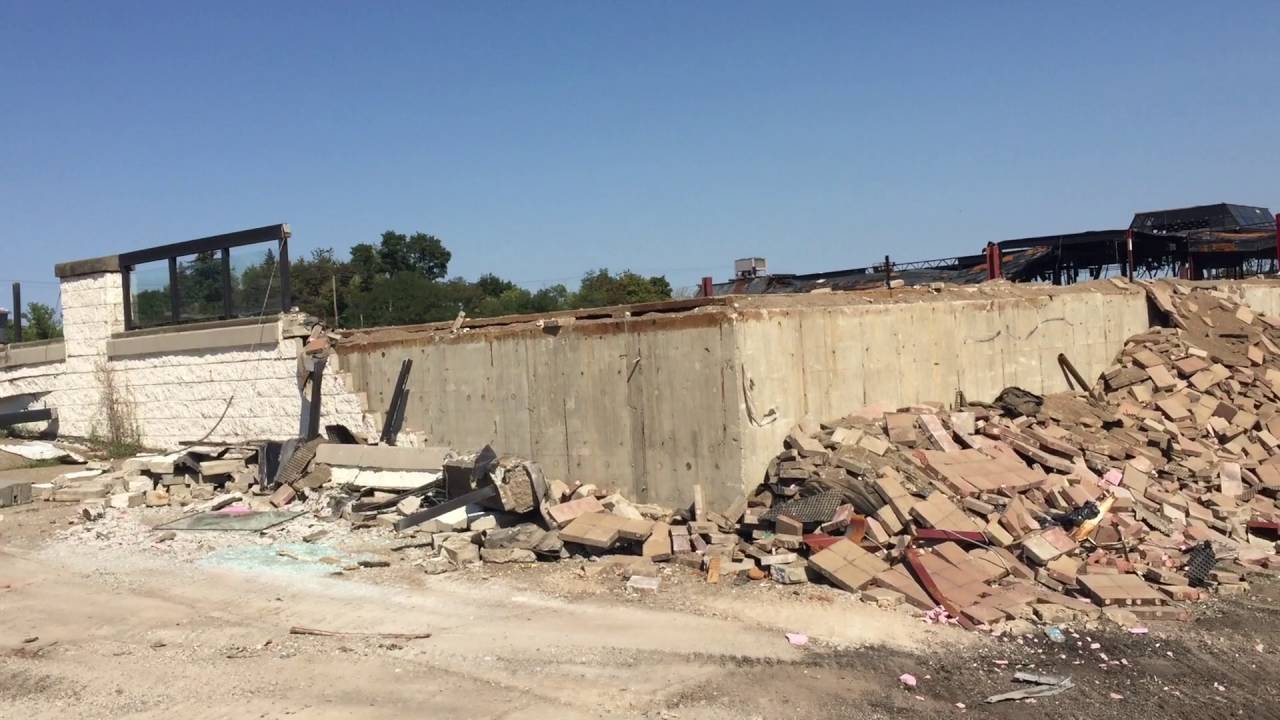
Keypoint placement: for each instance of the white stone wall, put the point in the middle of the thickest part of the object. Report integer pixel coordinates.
(221, 395)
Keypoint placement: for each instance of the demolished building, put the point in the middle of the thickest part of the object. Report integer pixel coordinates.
(1128, 457)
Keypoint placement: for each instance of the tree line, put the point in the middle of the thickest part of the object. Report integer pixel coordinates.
(404, 279)
(401, 280)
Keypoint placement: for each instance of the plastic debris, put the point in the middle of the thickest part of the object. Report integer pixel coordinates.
(908, 680)
(1045, 686)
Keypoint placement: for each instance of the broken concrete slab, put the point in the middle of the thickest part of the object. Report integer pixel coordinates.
(383, 457)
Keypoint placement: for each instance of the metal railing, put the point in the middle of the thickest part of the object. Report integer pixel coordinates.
(214, 288)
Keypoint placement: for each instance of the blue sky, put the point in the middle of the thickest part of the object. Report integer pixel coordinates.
(542, 139)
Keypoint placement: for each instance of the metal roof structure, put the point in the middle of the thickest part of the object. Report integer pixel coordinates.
(1218, 240)
(1219, 216)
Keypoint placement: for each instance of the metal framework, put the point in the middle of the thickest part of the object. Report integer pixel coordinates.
(1223, 240)
(221, 244)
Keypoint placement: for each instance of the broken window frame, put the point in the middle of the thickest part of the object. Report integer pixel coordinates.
(219, 244)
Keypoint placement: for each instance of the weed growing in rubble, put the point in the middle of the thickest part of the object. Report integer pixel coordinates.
(121, 437)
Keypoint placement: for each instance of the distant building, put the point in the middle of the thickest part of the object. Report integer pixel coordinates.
(1200, 242)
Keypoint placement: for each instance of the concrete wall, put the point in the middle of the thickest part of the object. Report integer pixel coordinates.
(644, 404)
(827, 361)
(653, 404)
(179, 382)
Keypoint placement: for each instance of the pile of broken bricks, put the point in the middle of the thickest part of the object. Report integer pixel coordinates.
(1152, 490)
(177, 479)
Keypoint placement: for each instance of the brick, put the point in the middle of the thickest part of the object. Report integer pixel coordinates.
(635, 529)
(598, 530)
(787, 525)
(902, 428)
(848, 566)
(713, 569)
(874, 444)
(939, 512)
(1120, 590)
(565, 513)
(1045, 545)
(284, 495)
(658, 546)
(1147, 359)
(899, 580)
(983, 614)
(805, 446)
(1161, 377)
(883, 597)
(1182, 593)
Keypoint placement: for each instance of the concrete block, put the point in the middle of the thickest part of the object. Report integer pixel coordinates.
(80, 493)
(643, 584)
(460, 550)
(382, 457)
(507, 555)
(792, 574)
(126, 500)
(484, 522)
(283, 496)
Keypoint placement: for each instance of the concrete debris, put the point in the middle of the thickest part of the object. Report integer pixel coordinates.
(36, 450)
(643, 583)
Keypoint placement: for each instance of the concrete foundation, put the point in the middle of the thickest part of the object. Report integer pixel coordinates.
(655, 400)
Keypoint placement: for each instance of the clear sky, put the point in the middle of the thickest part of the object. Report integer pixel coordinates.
(542, 139)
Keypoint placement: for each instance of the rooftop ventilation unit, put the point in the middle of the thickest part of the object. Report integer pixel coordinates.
(750, 267)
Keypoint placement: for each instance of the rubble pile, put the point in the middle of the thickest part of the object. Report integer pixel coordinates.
(1155, 489)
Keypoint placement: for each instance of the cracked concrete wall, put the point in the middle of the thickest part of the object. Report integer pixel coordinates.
(830, 361)
(230, 394)
(643, 405)
(651, 405)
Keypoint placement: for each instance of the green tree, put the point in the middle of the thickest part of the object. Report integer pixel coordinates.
(366, 266)
(419, 252)
(200, 287)
(600, 288)
(493, 286)
(41, 323)
(151, 307)
(256, 288)
(313, 281)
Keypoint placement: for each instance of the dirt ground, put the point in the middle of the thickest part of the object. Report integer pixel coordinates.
(94, 630)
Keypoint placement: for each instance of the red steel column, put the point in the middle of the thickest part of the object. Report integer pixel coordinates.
(994, 269)
(707, 290)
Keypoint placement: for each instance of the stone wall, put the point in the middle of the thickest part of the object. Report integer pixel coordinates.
(229, 394)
